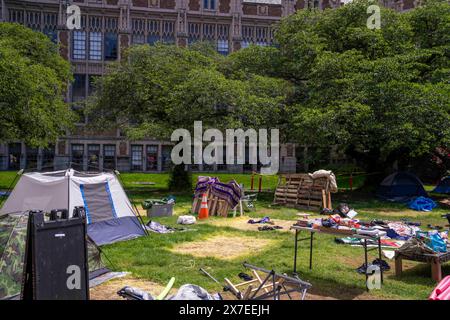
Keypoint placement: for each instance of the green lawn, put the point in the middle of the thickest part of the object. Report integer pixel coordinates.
(334, 265)
(333, 273)
(140, 181)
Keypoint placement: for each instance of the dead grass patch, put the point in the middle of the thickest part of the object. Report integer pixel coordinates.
(223, 246)
(108, 290)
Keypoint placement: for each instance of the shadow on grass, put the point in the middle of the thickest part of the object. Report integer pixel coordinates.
(419, 274)
(331, 288)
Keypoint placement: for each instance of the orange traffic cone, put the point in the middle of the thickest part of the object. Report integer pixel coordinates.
(204, 212)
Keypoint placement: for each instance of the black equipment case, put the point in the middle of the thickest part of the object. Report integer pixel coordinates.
(56, 262)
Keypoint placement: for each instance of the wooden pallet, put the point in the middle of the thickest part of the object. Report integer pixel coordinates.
(216, 206)
(301, 191)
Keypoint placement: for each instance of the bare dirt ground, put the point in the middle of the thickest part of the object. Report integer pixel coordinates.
(108, 290)
(231, 246)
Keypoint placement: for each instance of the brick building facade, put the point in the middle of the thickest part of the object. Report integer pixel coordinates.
(110, 26)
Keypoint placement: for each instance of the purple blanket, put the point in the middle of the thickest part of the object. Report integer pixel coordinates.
(230, 192)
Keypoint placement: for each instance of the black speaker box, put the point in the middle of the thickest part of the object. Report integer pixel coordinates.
(56, 262)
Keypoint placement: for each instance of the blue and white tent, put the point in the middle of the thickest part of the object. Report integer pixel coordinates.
(110, 215)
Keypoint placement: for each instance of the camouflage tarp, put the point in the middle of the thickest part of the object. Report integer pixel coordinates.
(13, 233)
(94, 256)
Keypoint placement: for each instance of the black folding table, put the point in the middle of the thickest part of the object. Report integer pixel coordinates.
(332, 231)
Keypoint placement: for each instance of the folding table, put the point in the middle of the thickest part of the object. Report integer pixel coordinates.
(332, 231)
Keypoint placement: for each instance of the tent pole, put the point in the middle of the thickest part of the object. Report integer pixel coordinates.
(134, 206)
(68, 194)
(8, 191)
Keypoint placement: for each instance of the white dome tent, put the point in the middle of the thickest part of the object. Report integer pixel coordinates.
(109, 212)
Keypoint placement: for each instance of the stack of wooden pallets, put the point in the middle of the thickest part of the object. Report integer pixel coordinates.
(216, 206)
(301, 191)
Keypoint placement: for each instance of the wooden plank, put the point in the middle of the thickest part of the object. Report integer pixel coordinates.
(245, 283)
(324, 199)
(247, 292)
(258, 278)
(213, 207)
(398, 266)
(232, 287)
(436, 271)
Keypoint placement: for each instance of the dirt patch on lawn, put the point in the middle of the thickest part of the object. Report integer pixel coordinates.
(241, 223)
(226, 247)
(108, 290)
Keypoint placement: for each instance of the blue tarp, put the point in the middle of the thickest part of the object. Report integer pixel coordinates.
(422, 204)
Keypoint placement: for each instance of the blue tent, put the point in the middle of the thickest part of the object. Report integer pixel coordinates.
(401, 187)
(443, 186)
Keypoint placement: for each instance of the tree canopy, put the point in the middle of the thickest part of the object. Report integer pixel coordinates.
(156, 89)
(381, 95)
(33, 81)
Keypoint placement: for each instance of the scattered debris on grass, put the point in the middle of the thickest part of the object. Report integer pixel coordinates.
(240, 223)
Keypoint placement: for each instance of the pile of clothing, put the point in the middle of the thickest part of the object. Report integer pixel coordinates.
(405, 235)
(426, 242)
(346, 224)
(401, 230)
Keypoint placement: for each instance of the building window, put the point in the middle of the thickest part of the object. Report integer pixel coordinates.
(245, 44)
(136, 158)
(165, 157)
(52, 35)
(78, 95)
(110, 46)
(152, 157)
(15, 153)
(168, 32)
(95, 46)
(77, 156)
(92, 83)
(222, 46)
(209, 4)
(153, 38)
(48, 155)
(138, 39)
(32, 158)
(109, 156)
(93, 157)
(168, 39)
(79, 45)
